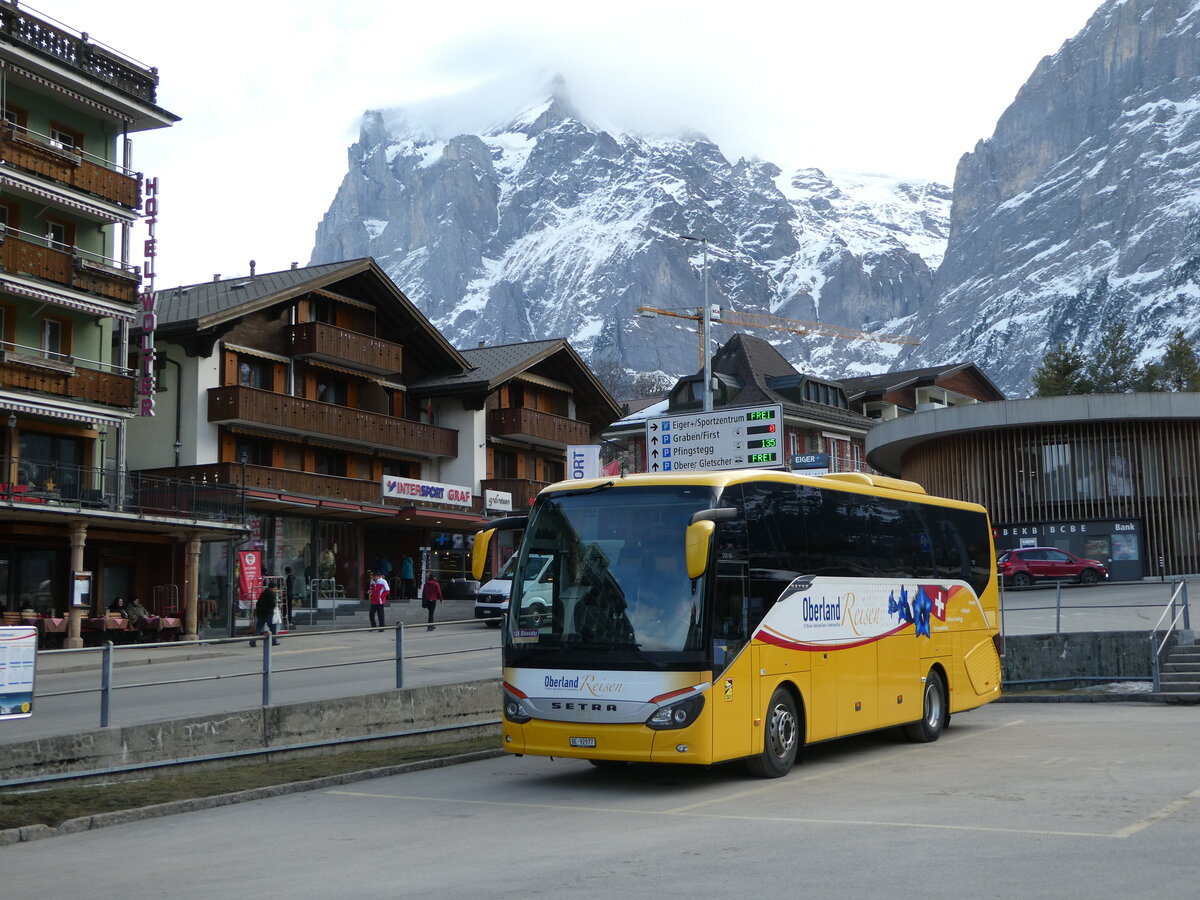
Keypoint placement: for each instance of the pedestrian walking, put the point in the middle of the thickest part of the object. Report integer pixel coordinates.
(408, 587)
(431, 596)
(378, 594)
(266, 616)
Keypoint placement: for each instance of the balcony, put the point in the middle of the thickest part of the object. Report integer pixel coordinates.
(283, 481)
(28, 485)
(538, 427)
(353, 427)
(25, 369)
(522, 489)
(26, 254)
(33, 153)
(78, 53)
(361, 352)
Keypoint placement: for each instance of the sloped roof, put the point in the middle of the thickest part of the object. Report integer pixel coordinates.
(214, 306)
(893, 381)
(753, 360)
(494, 366)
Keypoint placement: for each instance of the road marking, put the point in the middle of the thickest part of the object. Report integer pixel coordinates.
(791, 820)
(1168, 810)
(825, 773)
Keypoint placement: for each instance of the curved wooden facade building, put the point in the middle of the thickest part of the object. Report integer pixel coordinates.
(1111, 477)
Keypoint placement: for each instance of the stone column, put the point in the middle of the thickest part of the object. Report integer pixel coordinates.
(191, 588)
(74, 636)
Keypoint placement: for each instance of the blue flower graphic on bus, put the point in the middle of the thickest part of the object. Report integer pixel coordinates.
(918, 613)
(900, 607)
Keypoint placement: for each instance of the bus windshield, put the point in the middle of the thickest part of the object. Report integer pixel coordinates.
(616, 579)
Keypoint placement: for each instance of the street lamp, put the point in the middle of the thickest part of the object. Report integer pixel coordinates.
(705, 324)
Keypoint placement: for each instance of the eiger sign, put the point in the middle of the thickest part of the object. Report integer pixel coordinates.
(750, 436)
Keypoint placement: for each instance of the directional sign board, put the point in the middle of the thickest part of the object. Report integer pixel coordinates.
(749, 436)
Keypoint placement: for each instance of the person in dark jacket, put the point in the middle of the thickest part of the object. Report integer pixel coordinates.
(264, 616)
(431, 596)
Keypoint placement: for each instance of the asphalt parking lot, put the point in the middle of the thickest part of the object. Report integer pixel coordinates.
(1030, 801)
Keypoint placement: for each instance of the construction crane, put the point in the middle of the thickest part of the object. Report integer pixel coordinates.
(721, 316)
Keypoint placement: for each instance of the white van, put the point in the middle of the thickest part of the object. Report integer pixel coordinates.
(491, 604)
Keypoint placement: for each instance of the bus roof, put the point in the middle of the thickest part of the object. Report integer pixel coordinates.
(855, 482)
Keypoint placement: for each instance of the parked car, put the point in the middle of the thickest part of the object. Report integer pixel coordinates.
(491, 604)
(1021, 568)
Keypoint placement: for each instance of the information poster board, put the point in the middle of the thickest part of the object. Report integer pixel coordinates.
(81, 590)
(18, 655)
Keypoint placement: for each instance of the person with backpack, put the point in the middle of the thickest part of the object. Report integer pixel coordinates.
(264, 616)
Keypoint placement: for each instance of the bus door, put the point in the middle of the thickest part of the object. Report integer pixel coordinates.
(734, 677)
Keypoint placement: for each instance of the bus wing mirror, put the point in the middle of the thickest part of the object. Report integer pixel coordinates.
(479, 553)
(698, 541)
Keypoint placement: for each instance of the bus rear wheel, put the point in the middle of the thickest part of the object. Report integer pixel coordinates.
(933, 714)
(781, 739)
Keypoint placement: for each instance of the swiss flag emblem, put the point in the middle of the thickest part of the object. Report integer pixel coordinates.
(938, 598)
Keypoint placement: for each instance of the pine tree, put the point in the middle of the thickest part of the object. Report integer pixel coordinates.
(1114, 368)
(1061, 372)
(1180, 368)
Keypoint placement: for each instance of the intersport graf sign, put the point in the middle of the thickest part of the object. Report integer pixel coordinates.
(428, 491)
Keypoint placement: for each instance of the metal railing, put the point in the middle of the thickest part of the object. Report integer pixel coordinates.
(1058, 606)
(266, 672)
(37, 482)
(1178, 594)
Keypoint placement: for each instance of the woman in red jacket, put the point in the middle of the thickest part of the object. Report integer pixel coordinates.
(431, 596)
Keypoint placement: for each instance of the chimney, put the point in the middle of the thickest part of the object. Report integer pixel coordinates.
(295, 265)
(252, 265)
(217, 276)
(482, 344)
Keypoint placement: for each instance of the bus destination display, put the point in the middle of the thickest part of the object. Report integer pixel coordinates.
(721, 439)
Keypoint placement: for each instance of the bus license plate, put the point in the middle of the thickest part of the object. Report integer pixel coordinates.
(583, 742)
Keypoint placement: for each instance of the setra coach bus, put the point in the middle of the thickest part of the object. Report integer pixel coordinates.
(701, 618)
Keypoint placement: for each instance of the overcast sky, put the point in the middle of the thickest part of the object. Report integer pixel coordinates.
(271, 93)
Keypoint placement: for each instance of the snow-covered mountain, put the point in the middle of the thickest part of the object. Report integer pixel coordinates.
(544, 226)
(1084, 205)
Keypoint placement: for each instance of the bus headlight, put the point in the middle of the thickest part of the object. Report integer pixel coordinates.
(514, 710)
(677, 715)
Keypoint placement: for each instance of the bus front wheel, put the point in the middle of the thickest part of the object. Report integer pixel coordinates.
(934, 715)
(781, 741)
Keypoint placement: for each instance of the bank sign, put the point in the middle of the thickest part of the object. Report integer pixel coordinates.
(429, 491)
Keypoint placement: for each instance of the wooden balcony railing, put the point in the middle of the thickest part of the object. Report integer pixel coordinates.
(315, 340)
(64, 267)
(294, 415)
(81, 384)
(539, 427)
(23, 150)
(284, 481)
(77, 52)
(522, 489)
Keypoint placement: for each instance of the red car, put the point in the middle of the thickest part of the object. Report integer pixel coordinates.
(1021, 568)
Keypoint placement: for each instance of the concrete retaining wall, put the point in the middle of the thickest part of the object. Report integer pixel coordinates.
(1084, 656)
(262, 728)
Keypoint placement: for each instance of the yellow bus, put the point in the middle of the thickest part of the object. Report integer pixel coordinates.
(701, 618)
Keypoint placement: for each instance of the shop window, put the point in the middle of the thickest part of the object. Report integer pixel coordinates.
(50, 462)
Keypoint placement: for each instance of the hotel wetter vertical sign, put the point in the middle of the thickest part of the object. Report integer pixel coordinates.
(149, 315)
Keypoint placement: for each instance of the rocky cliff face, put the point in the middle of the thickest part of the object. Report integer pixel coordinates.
(1083, 206)
(546, 226)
